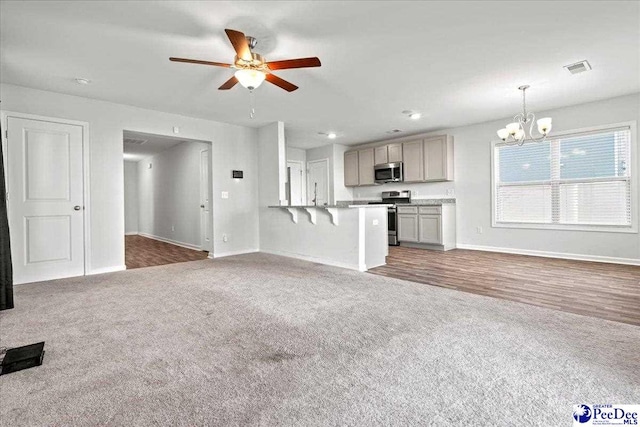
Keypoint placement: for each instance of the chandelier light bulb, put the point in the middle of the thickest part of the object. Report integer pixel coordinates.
(544, 125)
(513, 128)
(519, 135)
(503, 134)
(249, 78)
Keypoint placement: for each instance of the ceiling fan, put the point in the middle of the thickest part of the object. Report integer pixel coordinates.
(251, 68)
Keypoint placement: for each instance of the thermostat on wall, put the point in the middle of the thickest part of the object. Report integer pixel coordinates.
(236, 174)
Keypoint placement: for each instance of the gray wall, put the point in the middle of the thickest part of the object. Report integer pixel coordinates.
(234, 147)
(130, 197)
(169, 194)
(472, 187)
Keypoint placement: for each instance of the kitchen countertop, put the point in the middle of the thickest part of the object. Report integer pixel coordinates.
(351, 205)
(414, 202)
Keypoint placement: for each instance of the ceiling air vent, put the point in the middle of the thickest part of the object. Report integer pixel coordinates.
(134, 141)
(578, 67)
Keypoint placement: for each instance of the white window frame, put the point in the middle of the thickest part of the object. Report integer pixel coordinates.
(635, 171)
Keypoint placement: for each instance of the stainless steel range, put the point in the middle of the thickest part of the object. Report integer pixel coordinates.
(393, 198)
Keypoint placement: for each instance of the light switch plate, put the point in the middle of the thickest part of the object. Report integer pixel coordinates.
(375, 222)
(176, 129)
(225, 194)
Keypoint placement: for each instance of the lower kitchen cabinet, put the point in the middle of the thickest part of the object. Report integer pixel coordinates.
(407, 227)
(428, 227)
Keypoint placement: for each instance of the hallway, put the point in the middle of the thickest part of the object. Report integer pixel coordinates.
(144, 252)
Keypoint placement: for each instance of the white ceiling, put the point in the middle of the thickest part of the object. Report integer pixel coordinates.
(153, 144)
(456, 62)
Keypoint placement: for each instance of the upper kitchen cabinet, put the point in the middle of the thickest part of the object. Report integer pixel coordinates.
(413, 161)
(365, 167)
(391, 153)
(438, 158)
(394, 153)
(351, 170)
(380, 155)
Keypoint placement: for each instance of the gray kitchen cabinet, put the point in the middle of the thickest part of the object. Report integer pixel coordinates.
(351, 170)
(438, 158)
(380, 155)
(408, 227)
(427, 226)
(390, 153)
(394, 153)
(430, 228)
(413, 162)
(365, 167)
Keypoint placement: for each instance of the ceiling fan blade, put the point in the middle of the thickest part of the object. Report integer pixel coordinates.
(240, 44)
(197, 61)
(294, 63)
(229, 83)
(289, 87)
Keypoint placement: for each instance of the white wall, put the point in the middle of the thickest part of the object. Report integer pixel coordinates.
(234, 147)
(130, 197)
(297, 154)
(472, 187)
(169, 194)
(354, 243)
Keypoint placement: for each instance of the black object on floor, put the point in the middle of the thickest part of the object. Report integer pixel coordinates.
(19, 358)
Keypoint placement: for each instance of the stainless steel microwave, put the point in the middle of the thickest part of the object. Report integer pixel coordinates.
(388, 172)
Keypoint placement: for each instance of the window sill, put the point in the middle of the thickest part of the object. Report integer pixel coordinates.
(559, 227)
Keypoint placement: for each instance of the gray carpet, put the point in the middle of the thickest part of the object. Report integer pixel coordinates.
(264, 340)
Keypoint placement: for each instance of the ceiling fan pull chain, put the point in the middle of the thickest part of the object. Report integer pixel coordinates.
(252, 108)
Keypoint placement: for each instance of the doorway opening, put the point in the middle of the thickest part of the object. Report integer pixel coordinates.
(318, 182)
(167, 188)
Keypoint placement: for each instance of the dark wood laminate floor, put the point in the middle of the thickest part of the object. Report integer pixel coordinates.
(144, 252)
(608, 291)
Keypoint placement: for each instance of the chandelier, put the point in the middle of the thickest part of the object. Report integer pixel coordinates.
(516, 132)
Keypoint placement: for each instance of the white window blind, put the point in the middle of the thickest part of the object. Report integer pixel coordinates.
(581, 179)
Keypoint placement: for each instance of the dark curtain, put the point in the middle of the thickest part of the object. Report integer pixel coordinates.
(6, 269)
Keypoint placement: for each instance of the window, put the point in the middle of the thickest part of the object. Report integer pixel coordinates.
(573, 181)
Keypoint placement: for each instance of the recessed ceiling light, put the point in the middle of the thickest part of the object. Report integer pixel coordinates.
(578, 67)
(81, 81)
(331, 135)
(413, 115)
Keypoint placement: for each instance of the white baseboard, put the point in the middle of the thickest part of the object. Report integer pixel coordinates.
(546, 254)
(106, 270)
(231, 253)
(131, 233)
(173, 242)
(316, 260)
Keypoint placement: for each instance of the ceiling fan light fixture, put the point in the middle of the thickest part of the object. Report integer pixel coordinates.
(250, 78)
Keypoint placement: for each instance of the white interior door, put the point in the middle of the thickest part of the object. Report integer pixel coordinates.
(296, 182)
(205, 201)
(46, 199)
(318, 181)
